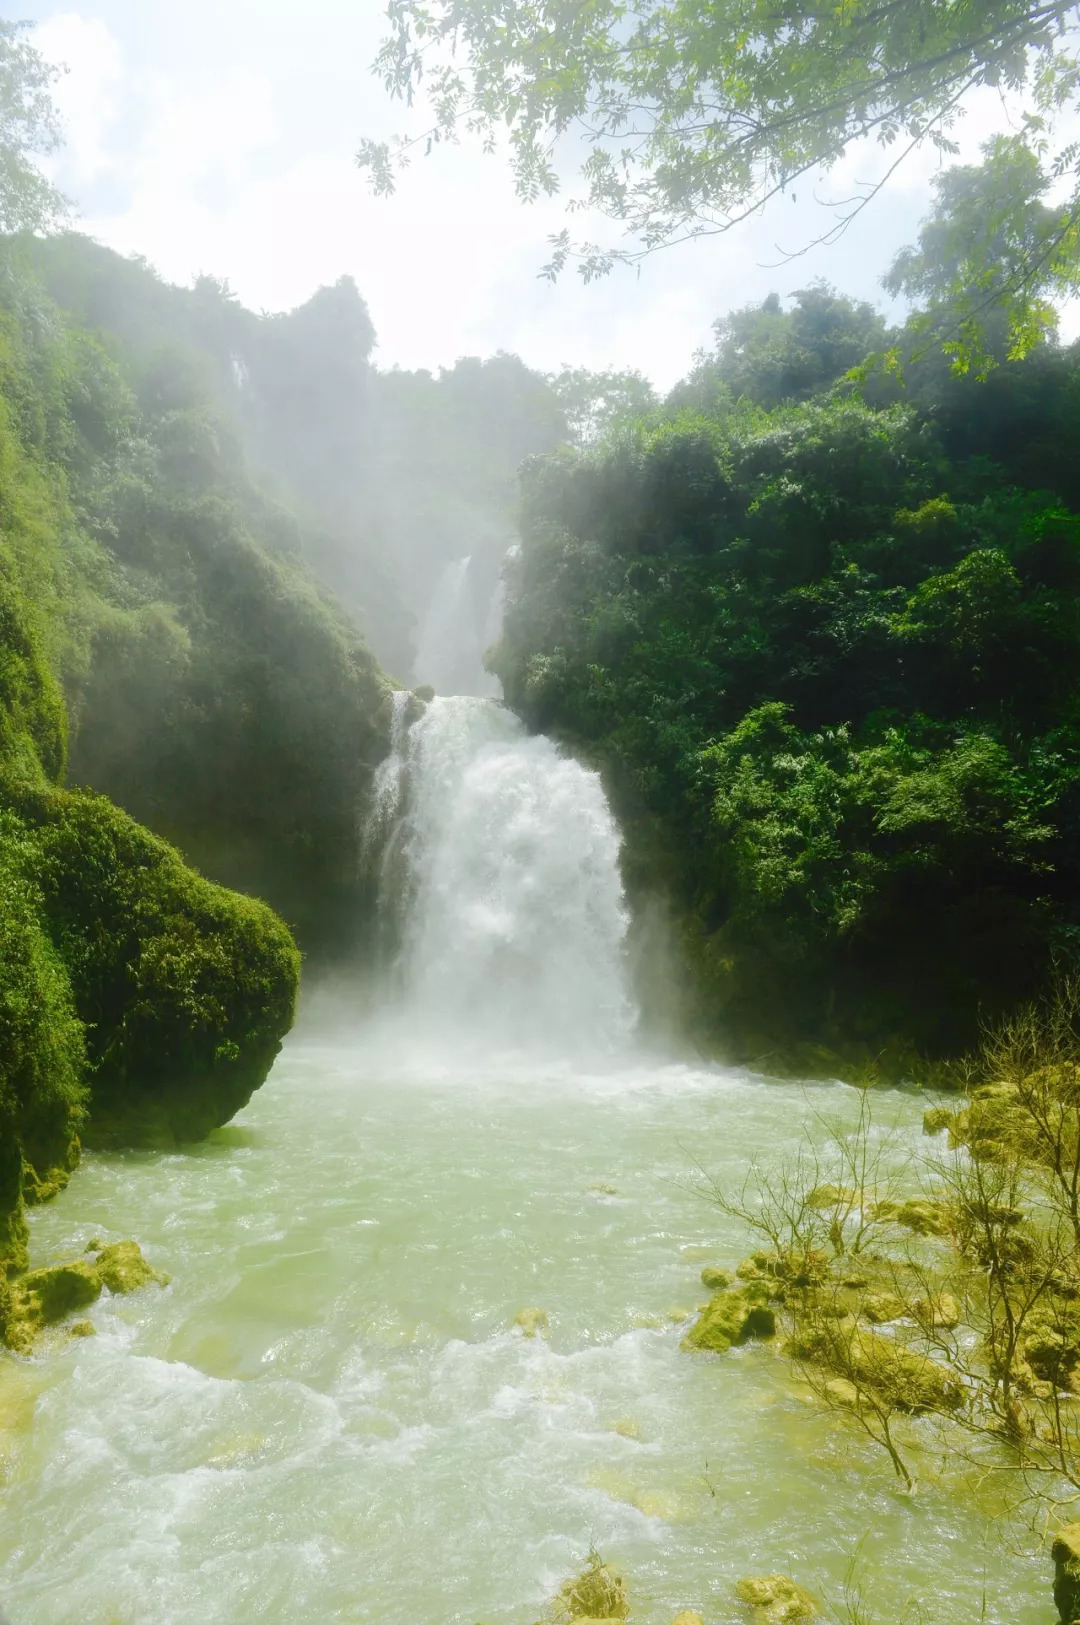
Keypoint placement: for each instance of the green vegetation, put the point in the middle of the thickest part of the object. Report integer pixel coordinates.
(978, 1300)
(138, 1002)
(825, 648)
(694, 117)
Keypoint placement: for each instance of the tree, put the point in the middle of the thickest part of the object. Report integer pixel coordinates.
(28, 124)
(596, 402)
(695, 115)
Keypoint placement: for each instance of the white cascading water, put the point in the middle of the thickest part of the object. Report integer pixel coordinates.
(450, 646)
(504, 861)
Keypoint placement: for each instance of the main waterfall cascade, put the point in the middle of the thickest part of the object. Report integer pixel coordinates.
(500, 861)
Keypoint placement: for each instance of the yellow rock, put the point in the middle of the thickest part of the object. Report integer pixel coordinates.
(625, 1427)
(776, 1600)
(532, 1321)
(688, 1617)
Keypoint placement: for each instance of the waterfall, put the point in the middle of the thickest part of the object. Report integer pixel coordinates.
(450, 646)
(506, 877)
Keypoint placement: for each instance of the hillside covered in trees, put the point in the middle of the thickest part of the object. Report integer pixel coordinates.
(821, 630)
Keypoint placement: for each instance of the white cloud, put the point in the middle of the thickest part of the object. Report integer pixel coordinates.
(85, 94)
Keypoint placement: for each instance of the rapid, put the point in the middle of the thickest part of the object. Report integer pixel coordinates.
(331, 1414)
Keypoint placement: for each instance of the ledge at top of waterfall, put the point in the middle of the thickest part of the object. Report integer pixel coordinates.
(503, 869)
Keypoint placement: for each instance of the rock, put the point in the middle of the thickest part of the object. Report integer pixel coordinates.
(597, 1593)
(921, 1214)
(937, 1120)
(1053, 1354)
(122, 1268)
(939, 1313)
(44, 1297)
(776, 1600)
(880, 1307)
(602, 1190)
(714, 1279)
(899, 1378)
(688, 1617)
(625, 1427)
(1066, 1555)
(532, 1321)
(826, 1196)
(424, 692)
(82, 1328)
(732, 1318)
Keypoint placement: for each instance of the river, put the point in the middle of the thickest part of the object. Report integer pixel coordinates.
(330, 1417)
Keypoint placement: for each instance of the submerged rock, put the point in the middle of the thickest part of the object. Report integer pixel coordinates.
(776, 1600)
(47, 1296)
(688, 1617)
(532, 1321)
(732, 1318)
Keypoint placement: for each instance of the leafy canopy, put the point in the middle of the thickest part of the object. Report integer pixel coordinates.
(28, 124)
(696, 114)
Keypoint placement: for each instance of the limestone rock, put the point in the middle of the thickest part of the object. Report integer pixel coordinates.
(732, 1318)
(776, 1600)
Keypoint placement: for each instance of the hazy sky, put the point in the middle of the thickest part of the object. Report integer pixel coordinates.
(218, 136)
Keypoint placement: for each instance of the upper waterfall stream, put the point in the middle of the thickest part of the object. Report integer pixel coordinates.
(330, 1418)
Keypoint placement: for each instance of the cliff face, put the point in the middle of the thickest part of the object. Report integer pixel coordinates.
(160, 641)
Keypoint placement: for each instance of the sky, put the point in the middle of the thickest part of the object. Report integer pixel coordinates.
(219, 136)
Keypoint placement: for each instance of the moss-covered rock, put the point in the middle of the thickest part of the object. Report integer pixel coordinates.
(714, 1279)
(1066, 1557)
(44, 1297)
(924, 1215)
(937, 1120)
(598, 1592)
(121, 1267)
(185, 990)
(882, 1369)
(42, 1052)
(776, 1600)
(881, 1307)
(732, 1318)
(939, 1312)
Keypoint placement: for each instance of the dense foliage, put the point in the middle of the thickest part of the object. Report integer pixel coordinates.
(693, 117)
(827, 651)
